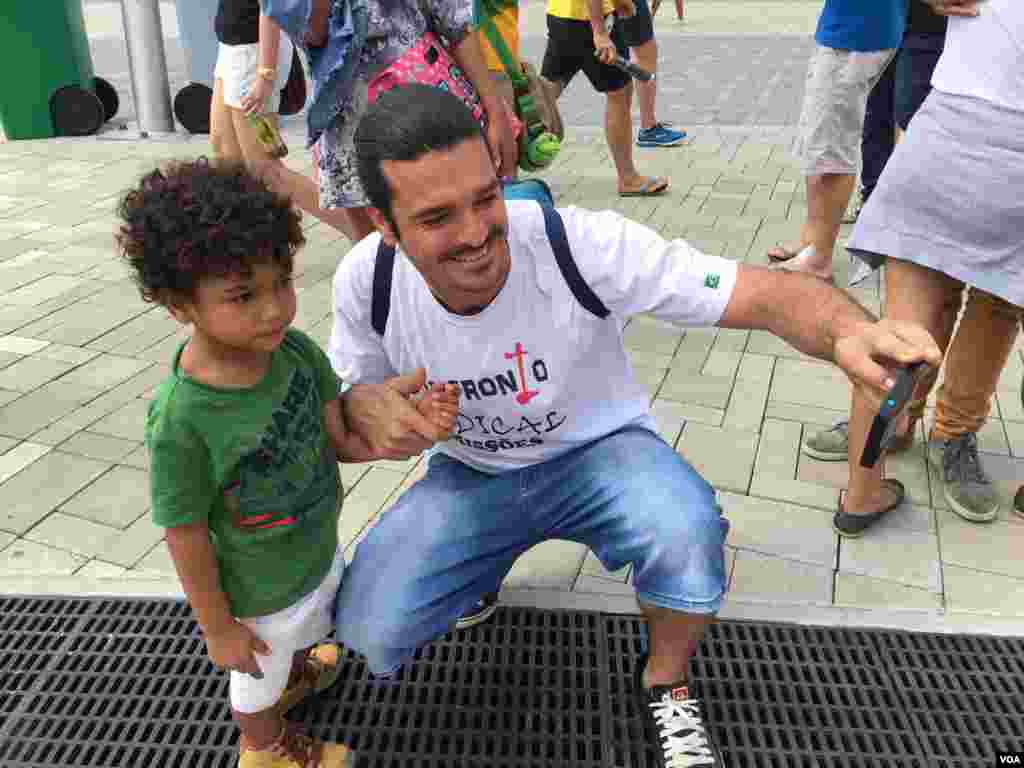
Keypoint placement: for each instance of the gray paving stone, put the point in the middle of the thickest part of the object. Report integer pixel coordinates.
(23, 417)
(894, 554)
(553, 564)
(104, 372)
(980, 592)
(746, 405)
(708, 391)
(778, 449)
(158, 560)
(28, 558)
(65, 354)
(31, 373)
(127, 422)
(118, 498)
(864, 592)
(97, 446)
(994, 548)
(89, 539)
(725, 458)
(139, 458)
(30, 495)
(794, 491)
(768, 578)
(777, 528)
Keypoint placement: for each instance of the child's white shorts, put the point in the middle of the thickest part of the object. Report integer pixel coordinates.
(302, 625)
(237, 65)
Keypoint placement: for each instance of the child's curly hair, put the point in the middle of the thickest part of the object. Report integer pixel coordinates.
(195, 219)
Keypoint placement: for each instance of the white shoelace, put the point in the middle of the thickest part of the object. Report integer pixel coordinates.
(673, 717)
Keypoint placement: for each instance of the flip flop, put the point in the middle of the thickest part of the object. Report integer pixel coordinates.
(854, 526)
(652, 187)
(786, 252)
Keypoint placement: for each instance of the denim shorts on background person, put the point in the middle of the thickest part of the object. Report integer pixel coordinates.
(454, 535)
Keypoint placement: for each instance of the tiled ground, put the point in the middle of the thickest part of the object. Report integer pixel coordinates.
(80, 352)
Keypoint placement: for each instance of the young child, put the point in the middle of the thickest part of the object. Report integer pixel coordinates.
(244, 437)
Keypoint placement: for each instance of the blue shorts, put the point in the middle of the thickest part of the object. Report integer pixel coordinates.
(455, 534)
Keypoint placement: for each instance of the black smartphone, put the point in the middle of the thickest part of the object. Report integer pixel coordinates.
(883, 428)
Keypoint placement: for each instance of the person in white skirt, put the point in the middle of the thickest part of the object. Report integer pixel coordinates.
(948, 210)
(253, 63)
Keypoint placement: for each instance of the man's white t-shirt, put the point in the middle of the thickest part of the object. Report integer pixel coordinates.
(540, 375)
(984, 55)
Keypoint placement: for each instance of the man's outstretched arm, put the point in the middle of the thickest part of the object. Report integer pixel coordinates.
(823, 321)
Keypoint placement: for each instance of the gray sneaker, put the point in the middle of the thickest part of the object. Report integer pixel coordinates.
(966, 485)
(833, 444)
(830, 444)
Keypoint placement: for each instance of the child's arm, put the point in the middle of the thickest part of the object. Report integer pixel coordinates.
(230, 643)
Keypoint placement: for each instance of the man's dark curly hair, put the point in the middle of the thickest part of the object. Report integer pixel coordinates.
(196, 219)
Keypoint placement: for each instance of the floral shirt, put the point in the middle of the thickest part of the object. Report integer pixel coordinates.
(393, 27)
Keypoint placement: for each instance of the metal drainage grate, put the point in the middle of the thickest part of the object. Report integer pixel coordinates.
(119, 683)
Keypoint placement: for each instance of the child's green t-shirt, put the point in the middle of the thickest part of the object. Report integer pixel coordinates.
(257, 466)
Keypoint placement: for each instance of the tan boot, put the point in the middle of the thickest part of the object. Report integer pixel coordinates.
(294, 749)
(319, 673)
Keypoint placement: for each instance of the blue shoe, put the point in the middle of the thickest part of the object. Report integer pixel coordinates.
(660, 136)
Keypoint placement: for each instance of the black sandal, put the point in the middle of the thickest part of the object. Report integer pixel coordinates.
(854, 526)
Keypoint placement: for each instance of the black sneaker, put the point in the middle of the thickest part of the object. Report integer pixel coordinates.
(479, 613)
(675, 723)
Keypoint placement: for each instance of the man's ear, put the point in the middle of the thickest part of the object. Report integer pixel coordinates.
(380, 221)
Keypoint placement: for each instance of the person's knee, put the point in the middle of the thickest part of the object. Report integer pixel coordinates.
(620, 99)
(223, 146)
(647, 55)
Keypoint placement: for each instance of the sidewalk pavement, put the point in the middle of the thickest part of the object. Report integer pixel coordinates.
(80, 354)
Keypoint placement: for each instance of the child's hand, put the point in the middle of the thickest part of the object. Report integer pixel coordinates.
(441, 406)
(235, 648)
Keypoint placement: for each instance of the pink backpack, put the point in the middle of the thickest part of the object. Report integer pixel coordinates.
(428, 62)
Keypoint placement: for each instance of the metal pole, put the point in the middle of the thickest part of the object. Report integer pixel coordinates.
(147, 64)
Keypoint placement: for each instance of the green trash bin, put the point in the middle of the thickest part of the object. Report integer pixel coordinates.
(49, 88)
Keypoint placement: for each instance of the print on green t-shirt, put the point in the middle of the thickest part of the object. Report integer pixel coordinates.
(257, 466)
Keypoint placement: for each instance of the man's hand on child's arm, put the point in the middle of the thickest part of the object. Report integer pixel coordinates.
(384, 417)
(349, 446)
(230, 644)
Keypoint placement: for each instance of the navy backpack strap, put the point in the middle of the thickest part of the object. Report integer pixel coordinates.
(563, 256)
(382, 269)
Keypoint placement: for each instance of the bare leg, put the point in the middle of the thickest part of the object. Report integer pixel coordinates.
(619, 132)
(283, 180)
(827, 198)
(674, 637)
(223, 141)
(647, 92)
(261, 729)
(914, 294)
